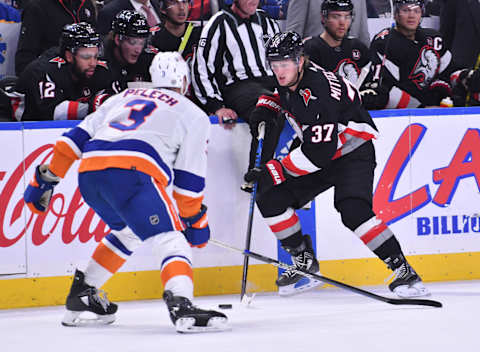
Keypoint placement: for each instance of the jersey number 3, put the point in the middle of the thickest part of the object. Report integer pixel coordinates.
(140, 109)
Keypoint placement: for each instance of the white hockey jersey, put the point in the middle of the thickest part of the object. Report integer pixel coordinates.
(155, 131)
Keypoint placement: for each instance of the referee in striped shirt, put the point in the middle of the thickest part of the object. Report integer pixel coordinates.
(230, 71)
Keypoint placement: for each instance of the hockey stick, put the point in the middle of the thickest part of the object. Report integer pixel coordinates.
(394, 301)
(258, 154)
(469, 95)
(384, 59)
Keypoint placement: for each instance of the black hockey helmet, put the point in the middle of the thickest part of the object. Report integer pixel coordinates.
(336, 5)
(286, 45)
(397, 3)
(78, 35)
(131, 24)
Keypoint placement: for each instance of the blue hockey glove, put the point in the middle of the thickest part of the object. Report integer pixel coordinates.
(197, 231)
(39, 192)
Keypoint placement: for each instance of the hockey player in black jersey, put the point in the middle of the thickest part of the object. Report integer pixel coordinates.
(176, 34)
(333, 49)
(335, 149)
(125, 49)
(411, 66)
(65, 82)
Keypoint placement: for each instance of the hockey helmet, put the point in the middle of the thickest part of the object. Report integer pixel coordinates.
(131, 24)
(169, 70)
(79, 35)
(398, 3)
(336, 5)
(286, 45)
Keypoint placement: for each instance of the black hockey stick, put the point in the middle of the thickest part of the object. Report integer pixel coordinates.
(395, 301)
(258, 154)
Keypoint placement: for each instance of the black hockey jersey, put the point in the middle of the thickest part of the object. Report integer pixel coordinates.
(52, 94)
(162, 40)
(122, 74)
(346, 60)
(326, 113)
(419, 69)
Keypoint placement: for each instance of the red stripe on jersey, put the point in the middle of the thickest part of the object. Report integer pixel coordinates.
(290, 166)
(373, 232)
(404, 100)
(285, 224)
(72, 111)
(359, 134)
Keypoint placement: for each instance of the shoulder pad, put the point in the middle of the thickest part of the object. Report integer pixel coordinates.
(102, 63)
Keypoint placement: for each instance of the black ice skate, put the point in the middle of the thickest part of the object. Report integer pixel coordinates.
(188, 318)
(303, 257)
(406, 282)
(84, 298)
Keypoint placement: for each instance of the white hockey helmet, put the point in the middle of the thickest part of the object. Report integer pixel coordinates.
(169, 70)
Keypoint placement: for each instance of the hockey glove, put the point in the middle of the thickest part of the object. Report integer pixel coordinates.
(268, 175)
(97, 100)
(374, 98)
(472, 80)
(436, 92)
(197, 231)
(39, 192)
(266, 110)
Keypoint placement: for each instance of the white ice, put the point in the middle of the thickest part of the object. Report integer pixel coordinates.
(323, 320)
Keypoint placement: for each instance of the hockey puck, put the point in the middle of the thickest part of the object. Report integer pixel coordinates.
(225, 306)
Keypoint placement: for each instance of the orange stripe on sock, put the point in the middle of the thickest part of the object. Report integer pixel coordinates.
(107, 258)
(171, 208)
(176, 268)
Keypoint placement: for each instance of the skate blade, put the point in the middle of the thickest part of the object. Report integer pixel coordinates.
(303, 285)
(416, 290)
(215, 324)
(74, 319)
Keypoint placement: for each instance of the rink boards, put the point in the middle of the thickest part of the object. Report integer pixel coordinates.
(426, 187)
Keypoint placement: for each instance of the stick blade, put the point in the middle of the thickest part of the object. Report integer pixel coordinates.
(418, 302)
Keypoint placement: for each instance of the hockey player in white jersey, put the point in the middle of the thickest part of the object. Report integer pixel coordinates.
(131, 149)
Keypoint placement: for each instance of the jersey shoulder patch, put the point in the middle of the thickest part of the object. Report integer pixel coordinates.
(382, 35)
(58, 60)
(102, 63)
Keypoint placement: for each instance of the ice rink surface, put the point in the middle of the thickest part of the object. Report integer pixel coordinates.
(329, 320)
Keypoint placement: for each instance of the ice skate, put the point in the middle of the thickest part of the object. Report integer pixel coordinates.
(406, 282)
(87, 300)
(188, 319)
(303, 257)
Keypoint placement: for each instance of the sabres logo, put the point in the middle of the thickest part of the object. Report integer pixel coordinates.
(307, 95)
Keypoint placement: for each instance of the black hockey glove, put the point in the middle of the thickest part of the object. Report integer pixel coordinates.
(436, 92)
(271, 174)
(97, 100)
(266, 110)
(374, 97)
(471, 80)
